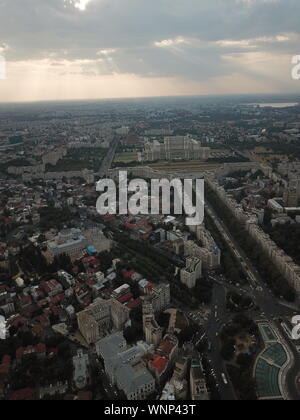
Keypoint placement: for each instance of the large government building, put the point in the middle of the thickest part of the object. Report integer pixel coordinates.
(175, 147)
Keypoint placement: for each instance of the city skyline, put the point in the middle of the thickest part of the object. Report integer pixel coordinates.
(102, 49)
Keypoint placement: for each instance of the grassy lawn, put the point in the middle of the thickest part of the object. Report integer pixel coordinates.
(126, 157)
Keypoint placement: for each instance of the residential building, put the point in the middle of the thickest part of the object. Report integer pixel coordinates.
(122, 290)
(192, 272)
(161, 297)
(292, 193)
(164, 357)
(211, 258)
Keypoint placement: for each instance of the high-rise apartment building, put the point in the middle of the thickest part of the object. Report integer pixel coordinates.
(192, 272)
(161, 297)
(291, 195)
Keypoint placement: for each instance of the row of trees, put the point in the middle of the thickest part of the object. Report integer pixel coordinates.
(79, 159)
(241, 370)
(51, 217)
(287, 237)
(259, 258)
(229, 267)
(201, 294)
(238, 303)
(145, 259)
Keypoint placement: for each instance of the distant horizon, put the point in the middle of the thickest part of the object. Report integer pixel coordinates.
(56, 50)
(280, 96)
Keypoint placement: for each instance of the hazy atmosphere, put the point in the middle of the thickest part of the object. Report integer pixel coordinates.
(56, 49)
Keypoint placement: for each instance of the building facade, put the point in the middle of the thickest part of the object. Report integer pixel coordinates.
(153, 332)
(70, 242)
(125, 367)
(175, 147)
(192, 272)
(100, 318)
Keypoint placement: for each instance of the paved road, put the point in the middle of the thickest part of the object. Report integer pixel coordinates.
(213, 329)
(110, 391)
(108, 160)
(270, 307)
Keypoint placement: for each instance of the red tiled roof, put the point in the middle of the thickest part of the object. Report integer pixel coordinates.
(125, 298)
(49, 286)
(129, 274)
(90, 282)
(166, 347)
(147, 235)
(135, 303)
(40, 348)
(57, 299)
(108, 217)
(130, 225)
(159, 363)
(91, 260)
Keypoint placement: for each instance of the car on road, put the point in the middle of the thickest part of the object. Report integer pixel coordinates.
(224, 379)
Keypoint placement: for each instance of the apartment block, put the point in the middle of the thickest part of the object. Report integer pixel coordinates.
(192, 272)
(161, 297)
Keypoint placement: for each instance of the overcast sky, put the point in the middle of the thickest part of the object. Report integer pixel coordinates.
(73, 49)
